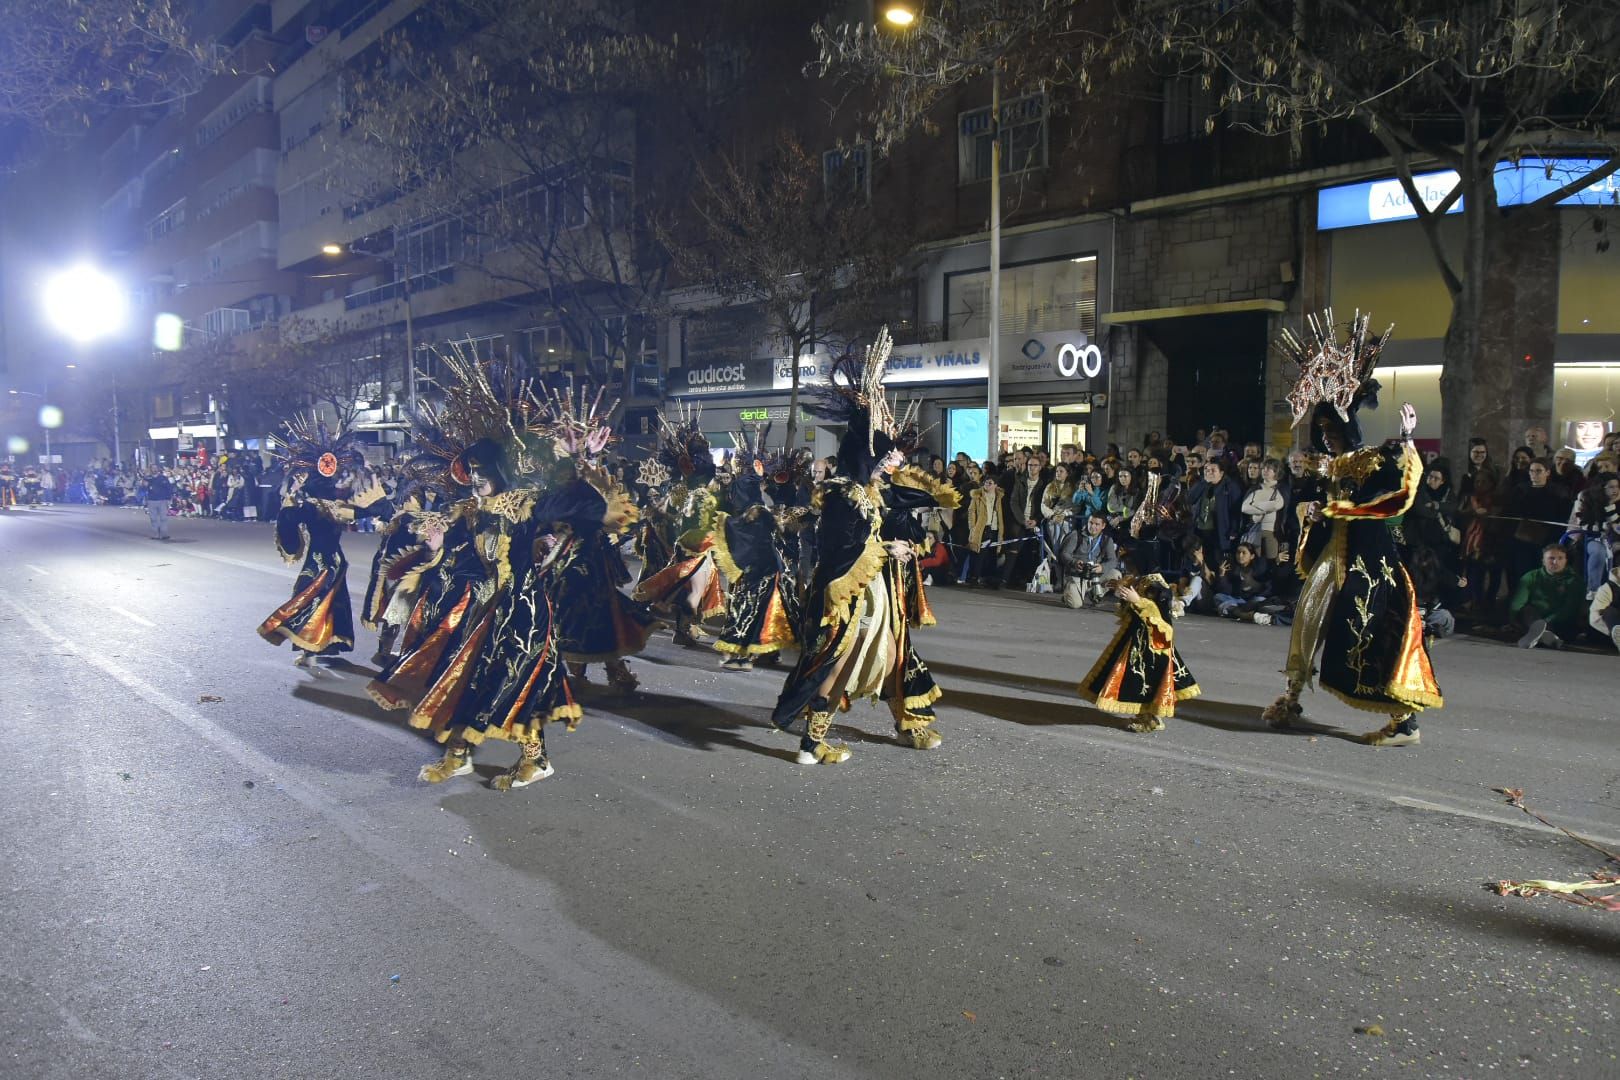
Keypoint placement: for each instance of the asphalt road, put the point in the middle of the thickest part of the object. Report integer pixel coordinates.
(216, 865)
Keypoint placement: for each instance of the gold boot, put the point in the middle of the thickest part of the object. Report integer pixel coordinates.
(530, 768)
(814, 749)
(1286, 711)
(1146, 724)
(917, 733)
(457, 761)
(1402, 730)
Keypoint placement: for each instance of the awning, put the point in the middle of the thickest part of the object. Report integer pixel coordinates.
(1230, 307)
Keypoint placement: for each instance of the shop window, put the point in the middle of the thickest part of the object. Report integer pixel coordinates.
(1058, 295)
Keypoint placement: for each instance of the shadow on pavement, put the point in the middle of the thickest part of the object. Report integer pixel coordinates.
(700, 725)
(1004, 678)
(1245, 719)
(1029, 712)
(1474, 908)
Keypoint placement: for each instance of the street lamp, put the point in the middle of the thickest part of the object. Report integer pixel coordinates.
(49, 415)
(333, 248)
(85, 305)
(901, 16)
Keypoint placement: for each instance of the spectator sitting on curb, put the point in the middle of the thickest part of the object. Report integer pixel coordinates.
(1548, 600)
(1244, 584)
(1604, 613)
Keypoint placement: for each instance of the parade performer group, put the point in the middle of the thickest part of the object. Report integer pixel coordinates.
(499, 581)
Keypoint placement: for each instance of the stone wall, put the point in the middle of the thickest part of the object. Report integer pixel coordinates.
(1184, 258)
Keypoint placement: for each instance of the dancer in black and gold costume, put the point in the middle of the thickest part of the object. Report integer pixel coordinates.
(1139, 673)
(1357, 608)
(490, 666)
(687, 589)
(596, 622)
(318, 620)
(855, 630)
(8, 486)
(760, 608)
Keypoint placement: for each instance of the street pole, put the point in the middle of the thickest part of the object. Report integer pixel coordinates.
(44, 400)
(118, 442)
(993, 382)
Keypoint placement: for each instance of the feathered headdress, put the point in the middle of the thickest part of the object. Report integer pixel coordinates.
(576, 430)
(1335, 377)
(854, 396)
(486, 422)
(682, 446)
(308, 444)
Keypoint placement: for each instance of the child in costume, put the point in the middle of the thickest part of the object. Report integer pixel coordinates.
(1140, 674)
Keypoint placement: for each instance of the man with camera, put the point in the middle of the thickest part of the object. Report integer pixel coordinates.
(1090, 562)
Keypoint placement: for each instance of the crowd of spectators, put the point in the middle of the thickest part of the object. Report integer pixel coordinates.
(1526, 552)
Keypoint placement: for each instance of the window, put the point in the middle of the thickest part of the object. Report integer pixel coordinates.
(545, 347)
(252, 97)
(257, 241)
(1023, 139)
(723, 67)
(1057, 295)
(846, 173)
(166, 222)
(1189, 109)
(427, 248)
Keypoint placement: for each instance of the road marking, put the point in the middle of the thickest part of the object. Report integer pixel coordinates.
(169, 549)
(575, 958)
(37, 569)
(132, 617)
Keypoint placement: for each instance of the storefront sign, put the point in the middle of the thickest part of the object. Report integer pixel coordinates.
(1517, 184)
(770, 415)
(716, 377)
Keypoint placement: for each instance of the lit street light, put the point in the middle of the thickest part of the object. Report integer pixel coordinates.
(899, 15)
(84, 305)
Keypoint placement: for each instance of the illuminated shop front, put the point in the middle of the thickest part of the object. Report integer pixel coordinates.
(1379, 261)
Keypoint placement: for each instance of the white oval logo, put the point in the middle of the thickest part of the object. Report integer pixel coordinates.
(1079, 359)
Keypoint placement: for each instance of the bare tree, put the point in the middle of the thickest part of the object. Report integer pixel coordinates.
(817, 264)
(520, 135)
(63, 62)
(1463, 86)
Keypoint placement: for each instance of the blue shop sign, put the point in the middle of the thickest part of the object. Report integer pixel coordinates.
(1374, 201)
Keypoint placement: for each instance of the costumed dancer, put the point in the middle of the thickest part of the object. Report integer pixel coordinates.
(654, 540)
(854, 631)
(319, 619)
(1139, 673)
(489, 667)
(390, 591)
(1357, 608)
(688, 587)
(596, 623)
(902, 521)
(748, 549)
(8, 486)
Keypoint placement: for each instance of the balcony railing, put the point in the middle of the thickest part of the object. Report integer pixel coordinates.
(395, 290)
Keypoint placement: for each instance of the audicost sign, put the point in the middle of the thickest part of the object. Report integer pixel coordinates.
(1042, 358)
(723, 376)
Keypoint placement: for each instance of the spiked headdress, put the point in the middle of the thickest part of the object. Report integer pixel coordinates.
(854, 397)
(683, 447)
(487, 424)
(1335, 376)
(576, 429)
(308, 445)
